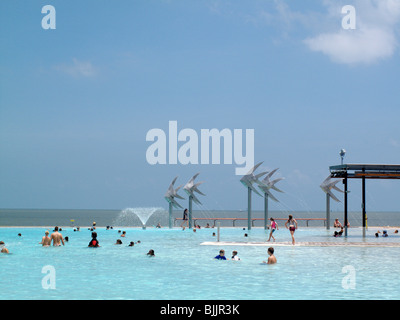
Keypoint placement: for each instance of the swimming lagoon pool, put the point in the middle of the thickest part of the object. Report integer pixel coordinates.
(184, 269)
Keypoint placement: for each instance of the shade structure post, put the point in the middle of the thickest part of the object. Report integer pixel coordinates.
(345, 205)
(265, 211)
(328, 211)
(249, 208)
(190, 212)
(364, 210)
(170, 216)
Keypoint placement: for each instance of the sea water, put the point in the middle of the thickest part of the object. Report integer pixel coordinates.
(185, 268)
(118, 217)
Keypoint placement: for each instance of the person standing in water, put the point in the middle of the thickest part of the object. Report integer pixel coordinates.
(273, 227)
(3, 248)
(46, 241)
(292, 226)
(57, 238)
(94, 243)
(271, 258)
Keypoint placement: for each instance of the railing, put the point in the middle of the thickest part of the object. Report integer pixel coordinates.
(253, 220)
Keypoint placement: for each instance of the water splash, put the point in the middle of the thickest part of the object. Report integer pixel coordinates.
(130, 216)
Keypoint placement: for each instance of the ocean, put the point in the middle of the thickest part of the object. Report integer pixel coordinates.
(128, 218)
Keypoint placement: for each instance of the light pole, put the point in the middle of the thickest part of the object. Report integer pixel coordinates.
(342, 154)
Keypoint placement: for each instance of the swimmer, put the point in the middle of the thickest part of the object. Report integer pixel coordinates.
(57, 238)
(118, 241)
(94, 243)
(221, 255)
(234, 256)
(271, 258)
(123, 234)
(151, 253)
(131, 244)
(3, 247)
(46, 241)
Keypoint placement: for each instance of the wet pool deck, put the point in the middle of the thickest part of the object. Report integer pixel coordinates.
(305, 244)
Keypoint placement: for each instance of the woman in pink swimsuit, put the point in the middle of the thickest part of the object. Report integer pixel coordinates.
(273, 227)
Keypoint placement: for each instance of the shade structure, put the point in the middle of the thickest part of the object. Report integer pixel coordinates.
(363, 172)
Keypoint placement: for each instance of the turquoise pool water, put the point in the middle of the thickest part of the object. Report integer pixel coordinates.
(185, 269)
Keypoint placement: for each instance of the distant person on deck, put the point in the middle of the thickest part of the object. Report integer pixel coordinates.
(57, 238)
(185, 218)
(337, 224)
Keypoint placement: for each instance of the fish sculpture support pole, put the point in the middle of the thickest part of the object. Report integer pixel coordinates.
(190, 212)
(249, 208)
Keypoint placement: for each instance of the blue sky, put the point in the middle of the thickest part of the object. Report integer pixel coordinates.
(77, 102)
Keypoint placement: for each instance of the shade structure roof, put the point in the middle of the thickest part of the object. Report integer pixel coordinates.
(368, 171)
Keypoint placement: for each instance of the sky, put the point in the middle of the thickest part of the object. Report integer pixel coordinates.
(77, 101)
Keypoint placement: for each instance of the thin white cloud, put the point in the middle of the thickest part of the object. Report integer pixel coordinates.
(375, 36)
(77, 68)
(366, 45)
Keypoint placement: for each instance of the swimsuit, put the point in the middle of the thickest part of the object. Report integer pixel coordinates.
(220, 257)
(93, 243)
(273, 226)
(291, 225)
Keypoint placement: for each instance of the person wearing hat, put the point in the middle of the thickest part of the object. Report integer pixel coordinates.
(46, 241)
